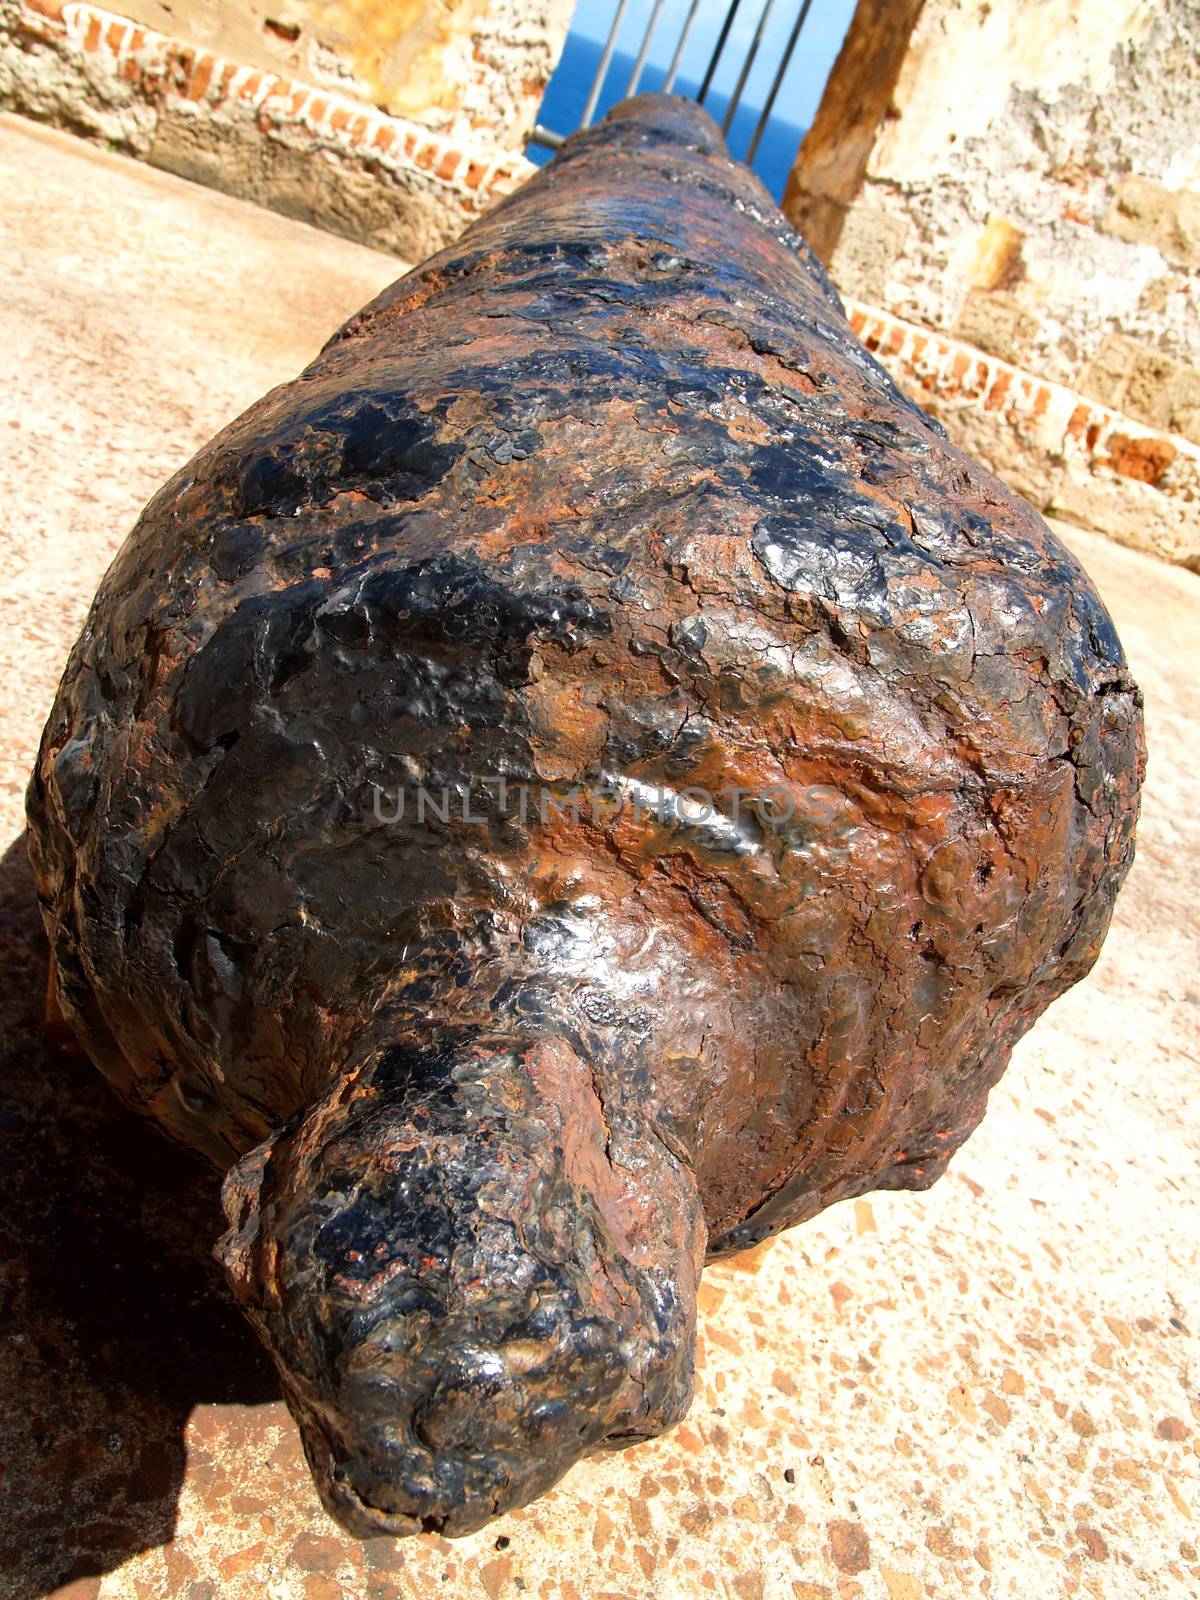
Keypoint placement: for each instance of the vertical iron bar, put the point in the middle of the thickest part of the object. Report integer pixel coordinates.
(746, 65)
(720, 45)
(589, 110)
(635, 77)
(673, 69)
(769, 106)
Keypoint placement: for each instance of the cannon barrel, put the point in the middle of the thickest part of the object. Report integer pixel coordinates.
(578, 781)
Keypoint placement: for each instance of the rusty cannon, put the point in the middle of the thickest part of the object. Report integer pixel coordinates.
(580, 780)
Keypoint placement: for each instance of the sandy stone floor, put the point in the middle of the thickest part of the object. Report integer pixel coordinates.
(987, 1390)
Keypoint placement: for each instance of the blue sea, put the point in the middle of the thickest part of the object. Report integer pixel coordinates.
(568, 90)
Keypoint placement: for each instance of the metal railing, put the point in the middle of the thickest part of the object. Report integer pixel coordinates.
(552, 139)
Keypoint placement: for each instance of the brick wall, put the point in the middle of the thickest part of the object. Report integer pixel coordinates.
(472, 70)
(1030, 186)
(1070, 456)
(313, 153)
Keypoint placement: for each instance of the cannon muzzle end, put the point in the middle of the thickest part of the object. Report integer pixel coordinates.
(470, 1272)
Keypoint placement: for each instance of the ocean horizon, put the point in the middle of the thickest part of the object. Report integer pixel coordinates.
(567, 92)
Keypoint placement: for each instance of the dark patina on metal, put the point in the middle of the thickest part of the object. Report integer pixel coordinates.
(820, 764)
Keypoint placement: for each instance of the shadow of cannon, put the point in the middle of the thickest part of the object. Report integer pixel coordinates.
(116, 1321)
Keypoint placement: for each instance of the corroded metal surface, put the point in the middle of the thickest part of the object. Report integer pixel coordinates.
(820, 768)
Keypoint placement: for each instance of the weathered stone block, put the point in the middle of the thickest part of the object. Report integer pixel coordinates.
(1182, 388)
(998, 263)
(380, 208)
(1148, 390)
(998, 324)
(870, 242)
(1145, 212)
(223, 155)
(1107, 375)
(1147, 384)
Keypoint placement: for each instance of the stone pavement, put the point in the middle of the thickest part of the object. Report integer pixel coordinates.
(989, 1389)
